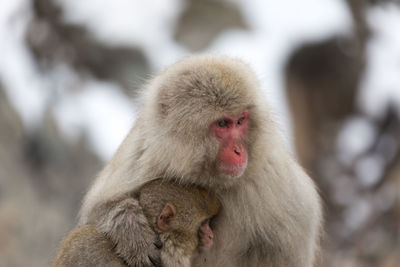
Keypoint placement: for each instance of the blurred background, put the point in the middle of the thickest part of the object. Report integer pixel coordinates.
(69, 74)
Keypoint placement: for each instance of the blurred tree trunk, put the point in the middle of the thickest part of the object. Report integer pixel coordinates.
(322, 84)
(42, 181)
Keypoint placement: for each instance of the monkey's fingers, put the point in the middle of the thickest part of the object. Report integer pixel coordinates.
(158, 244)
(156, 261)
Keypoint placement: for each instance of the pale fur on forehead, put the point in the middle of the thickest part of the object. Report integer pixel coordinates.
(202, 86)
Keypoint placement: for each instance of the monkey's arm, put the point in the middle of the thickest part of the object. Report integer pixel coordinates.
(125, 224)
(86, 247)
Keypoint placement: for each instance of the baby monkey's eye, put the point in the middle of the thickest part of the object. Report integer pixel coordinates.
(222, 123)
(240, 121)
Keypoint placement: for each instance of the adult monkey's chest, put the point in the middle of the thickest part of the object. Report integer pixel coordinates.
(234, 244)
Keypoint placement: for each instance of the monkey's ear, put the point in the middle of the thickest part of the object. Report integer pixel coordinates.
(166, 216)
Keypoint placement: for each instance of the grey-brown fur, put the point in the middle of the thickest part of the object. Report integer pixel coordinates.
(86, 247)
(98, 242)
(194, 205)
(271, 215)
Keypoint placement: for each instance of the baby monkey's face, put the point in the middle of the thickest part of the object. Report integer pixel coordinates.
(191, 226)
(206, 236)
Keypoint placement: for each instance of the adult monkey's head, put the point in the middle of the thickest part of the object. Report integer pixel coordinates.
(207, 114)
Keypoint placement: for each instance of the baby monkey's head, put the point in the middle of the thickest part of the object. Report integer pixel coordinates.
(181, 214)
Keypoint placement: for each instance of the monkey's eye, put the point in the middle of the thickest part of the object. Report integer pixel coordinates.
(240, 121)
(222, 123)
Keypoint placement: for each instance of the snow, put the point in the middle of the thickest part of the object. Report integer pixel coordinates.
(18, 74)
(145, 24)
(355, 137)
(369, 169)
(297, 20)
(101, 111)
(381, 83)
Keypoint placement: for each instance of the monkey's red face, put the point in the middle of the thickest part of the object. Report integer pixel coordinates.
(206, 236)
(231, 132)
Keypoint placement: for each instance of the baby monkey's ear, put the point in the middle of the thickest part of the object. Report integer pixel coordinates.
(166, 216)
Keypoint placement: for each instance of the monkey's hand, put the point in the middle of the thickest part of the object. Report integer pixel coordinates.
(124, 222)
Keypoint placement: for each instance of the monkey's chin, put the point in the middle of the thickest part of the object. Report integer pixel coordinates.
(233, 171)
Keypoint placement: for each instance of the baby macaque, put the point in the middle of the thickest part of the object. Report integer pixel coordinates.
(180, 214)
(183, 223)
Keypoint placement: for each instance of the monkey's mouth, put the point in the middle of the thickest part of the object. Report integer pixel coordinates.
(235, 170)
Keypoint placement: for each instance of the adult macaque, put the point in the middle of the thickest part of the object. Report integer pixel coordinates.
(179, 214)
(205, 121)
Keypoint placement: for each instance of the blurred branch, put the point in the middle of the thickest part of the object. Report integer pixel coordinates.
(52, 41)
(389, 126)
(201, 22)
